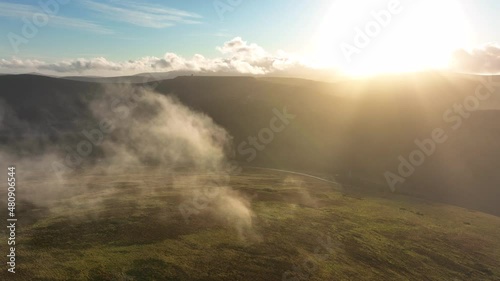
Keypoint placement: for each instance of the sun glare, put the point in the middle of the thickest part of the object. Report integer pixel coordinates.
(390, 36)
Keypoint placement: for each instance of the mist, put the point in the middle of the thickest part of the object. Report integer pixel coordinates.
(132, 129)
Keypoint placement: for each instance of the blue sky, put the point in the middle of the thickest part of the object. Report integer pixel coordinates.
(129, 30)
(256, 21)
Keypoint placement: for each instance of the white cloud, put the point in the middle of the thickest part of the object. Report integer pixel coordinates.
(142, 14)
(237, 56)
(241, 49)
(251, 58)
(483, 60)
(20, 11)
(17, 63)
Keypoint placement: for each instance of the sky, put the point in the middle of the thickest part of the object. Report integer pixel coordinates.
(112, 37)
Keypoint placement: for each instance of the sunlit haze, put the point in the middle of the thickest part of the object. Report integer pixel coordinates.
(250, 140)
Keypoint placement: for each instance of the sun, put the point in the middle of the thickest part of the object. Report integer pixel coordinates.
(384, 36)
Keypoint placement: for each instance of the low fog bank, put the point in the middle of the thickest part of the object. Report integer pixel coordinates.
(123, 129)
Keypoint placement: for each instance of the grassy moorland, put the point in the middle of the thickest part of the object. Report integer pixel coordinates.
(128, 226)
(359, 126)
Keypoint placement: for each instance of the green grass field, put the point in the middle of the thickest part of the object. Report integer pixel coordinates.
(128, 226)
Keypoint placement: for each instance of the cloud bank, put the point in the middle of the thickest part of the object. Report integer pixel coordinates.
(482, 60)
(237, 56)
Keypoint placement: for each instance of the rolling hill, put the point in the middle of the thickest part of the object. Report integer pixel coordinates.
(354, 130)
